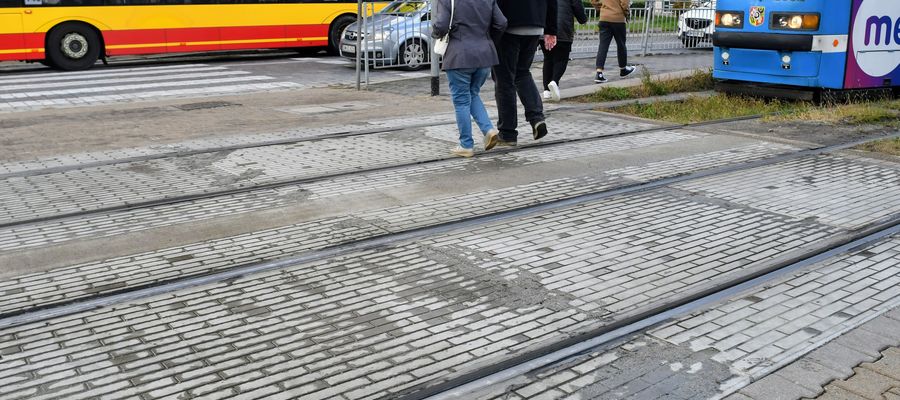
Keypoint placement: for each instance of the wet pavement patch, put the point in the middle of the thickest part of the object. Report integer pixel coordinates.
(524, 290)
(206, 105)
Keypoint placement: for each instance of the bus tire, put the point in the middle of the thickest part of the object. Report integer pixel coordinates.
(414, 54)
(335, 32)
(73, 46)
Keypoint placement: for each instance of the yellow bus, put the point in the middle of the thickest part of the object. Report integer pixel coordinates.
(74, 34)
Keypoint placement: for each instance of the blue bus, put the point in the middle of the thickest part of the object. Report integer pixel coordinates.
(778, 46)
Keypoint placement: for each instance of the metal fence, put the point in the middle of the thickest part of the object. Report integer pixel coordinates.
(651, 29)
(399, 35)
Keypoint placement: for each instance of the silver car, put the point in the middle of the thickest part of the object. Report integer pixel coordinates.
(398, 35)
(697, 25)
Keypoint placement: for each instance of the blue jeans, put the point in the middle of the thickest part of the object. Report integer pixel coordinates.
(465, 86)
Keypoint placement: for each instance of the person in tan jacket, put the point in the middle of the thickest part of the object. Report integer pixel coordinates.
(613, 15)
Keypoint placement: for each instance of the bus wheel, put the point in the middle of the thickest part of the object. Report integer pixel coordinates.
(337, 29)
(73, 46)
(414, 54)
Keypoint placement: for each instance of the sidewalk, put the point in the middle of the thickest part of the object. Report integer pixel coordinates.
(579, 77)
(862, 364)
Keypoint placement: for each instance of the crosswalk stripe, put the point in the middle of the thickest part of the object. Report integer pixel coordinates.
(106, 98)
(152, 78)
(123, 88)
(106, 72)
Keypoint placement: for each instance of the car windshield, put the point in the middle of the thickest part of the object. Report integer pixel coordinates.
(403, 7)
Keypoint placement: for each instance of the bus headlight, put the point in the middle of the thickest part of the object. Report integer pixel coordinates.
(795, 22)
(730, 19)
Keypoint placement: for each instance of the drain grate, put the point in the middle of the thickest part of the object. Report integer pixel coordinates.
(206, 105)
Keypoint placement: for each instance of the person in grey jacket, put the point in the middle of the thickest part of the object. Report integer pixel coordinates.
(468, 60)
(557, 60)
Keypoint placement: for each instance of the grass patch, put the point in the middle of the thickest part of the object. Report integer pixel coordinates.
(719, 106)
(882, 113)
(698, 81)
(887, 146)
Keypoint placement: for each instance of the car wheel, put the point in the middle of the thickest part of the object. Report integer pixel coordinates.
(414, 54)
(337, 29)
(73, 46)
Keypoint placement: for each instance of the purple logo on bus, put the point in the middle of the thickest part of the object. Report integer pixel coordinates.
(874, 45)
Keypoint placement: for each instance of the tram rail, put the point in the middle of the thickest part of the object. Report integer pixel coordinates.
(462, 386)
(112, 297)
(130, 206)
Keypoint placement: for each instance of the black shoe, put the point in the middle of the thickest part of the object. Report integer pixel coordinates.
(600, 78)
(539, 130)
(623, 72)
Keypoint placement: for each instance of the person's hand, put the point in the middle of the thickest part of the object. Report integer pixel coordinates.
(549, 41)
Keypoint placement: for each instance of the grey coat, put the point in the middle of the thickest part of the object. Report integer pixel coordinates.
(474, 22)
(567, 11)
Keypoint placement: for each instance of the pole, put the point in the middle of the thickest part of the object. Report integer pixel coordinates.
(435, 60)
(358, 41)
(363, 28)
(645, 43)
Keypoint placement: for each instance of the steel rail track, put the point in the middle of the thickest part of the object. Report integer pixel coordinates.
(67, 307)
(281, 142)
(462, 386)
(127, 206)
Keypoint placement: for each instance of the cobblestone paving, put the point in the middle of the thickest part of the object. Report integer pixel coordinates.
(76, 159)
(743, 338)
(98, 277)
(73, 191)
(826, 195)
(379, 321)
(870, 381)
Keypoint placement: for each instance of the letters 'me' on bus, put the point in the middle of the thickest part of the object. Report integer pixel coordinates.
(874, 46)
(73, 34)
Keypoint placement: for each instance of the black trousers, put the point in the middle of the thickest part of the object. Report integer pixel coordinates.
(608, 32)
(555, 62)
(512, 77)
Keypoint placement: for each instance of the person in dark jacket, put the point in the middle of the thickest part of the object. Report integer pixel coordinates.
(528, 21)
(469, 57)
(556, 60)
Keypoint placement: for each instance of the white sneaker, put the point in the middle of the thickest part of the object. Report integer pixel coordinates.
(554, 91)
(546, 95)
(463, 152)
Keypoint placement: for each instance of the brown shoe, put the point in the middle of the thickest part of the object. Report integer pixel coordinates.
(491, 138)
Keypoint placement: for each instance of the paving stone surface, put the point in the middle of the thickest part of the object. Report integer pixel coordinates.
(117, 223)
(197, 258)
(71, 191)
(871, 381)
(708, 365)
(381, 321)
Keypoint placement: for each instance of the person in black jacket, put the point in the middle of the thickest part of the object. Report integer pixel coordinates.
(528, 20)
(556, 60)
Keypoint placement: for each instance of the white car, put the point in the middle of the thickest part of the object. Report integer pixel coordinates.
(697, 24)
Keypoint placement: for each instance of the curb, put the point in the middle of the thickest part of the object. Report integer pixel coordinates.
(588, 89)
